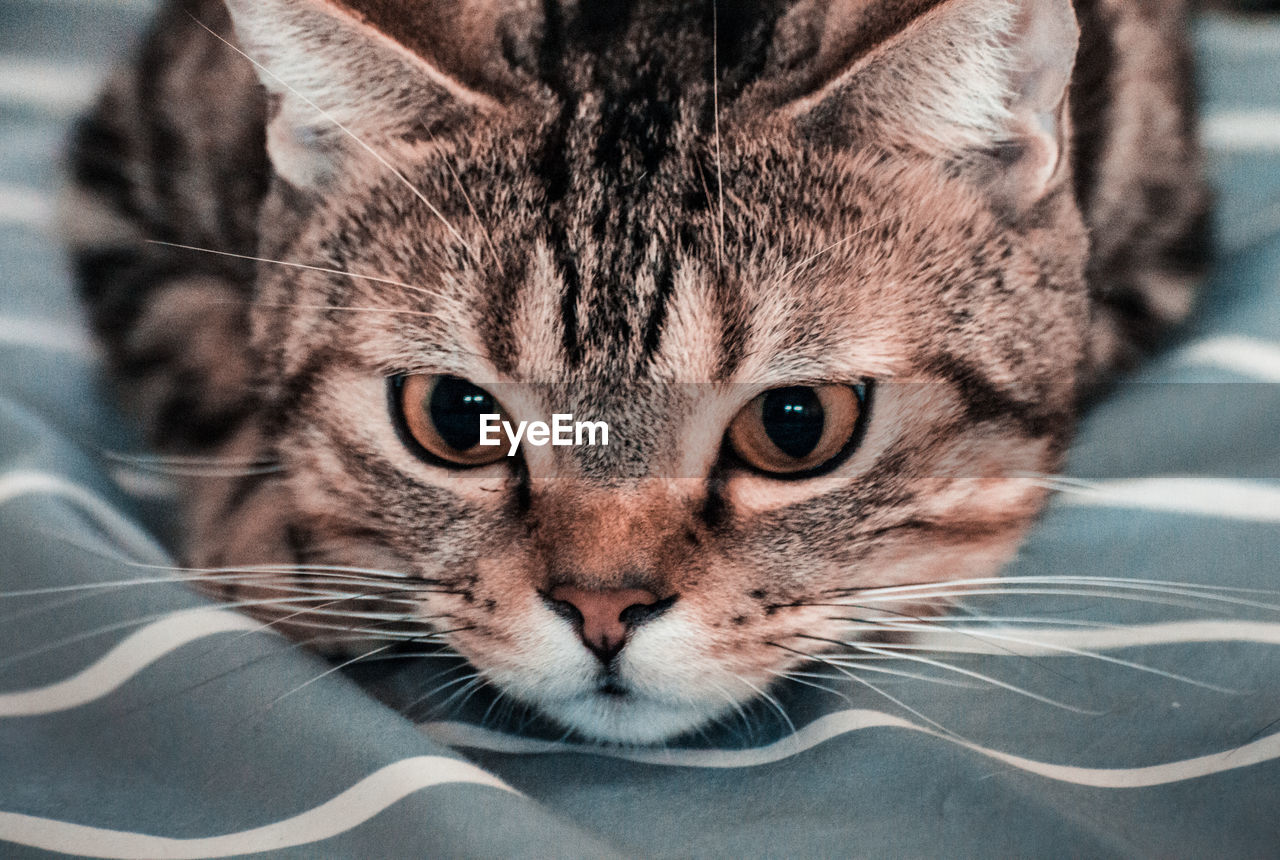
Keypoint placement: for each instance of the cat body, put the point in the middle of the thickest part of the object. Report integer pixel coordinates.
(939, 221)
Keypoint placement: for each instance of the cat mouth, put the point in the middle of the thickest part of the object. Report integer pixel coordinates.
(614, 712)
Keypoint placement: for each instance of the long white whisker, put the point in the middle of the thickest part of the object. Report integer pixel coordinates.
(802, 678)
(996, 682)
(46, 647)
(362, 309)
(831, 247)
(144, 459)
(366, 575)
(488, 236)
(873, 687)
(469, 677)
(715, 111)
(1065, 592)
(322, 675)
(1183, 589)
(499, 695)
(996, 619)
(1105, 658)
(771, 700)
(866, 666)
(478, 684)
(317, 575)
(735, 706)
(324, 269)
(205, 471)
(289, 602)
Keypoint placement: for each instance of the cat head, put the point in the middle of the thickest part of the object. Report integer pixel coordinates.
(816, 265)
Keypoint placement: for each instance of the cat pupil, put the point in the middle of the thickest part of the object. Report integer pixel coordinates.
(455, 407)
(793, 420)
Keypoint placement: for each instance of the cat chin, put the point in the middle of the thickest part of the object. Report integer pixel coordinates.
(631, 719)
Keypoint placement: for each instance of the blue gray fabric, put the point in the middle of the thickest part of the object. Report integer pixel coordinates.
(1112, 714)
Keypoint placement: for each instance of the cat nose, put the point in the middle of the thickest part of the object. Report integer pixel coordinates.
(604, 617)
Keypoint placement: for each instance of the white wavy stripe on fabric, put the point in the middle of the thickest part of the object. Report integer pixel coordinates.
(48, 85)
(348, 810)
(136, 542)
(1247, 356)
(44, 335)
(1254, 130)
(1055, 641)
(124, 661)
(1221, 498)
(841, 723)
(1228, 36)
(142, 484)
(24, 207)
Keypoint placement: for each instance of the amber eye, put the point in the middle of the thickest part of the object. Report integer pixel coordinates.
(441, 414)
(800, 429)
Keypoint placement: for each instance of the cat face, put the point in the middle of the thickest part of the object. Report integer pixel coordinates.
(616, 243)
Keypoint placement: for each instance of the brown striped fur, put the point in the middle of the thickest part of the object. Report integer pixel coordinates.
(645, 213)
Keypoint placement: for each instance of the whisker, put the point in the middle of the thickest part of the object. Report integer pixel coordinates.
(1183, 589)
(205, 471)
(367, 575)
(876, 624)
(338, 668)
(470, 676)
(488, 236)
(144, 459)
(377, 631)
(715, 112)
(416, 655)
(310, 268)
(833, 246)
(364, 309)
(874, 688)
(802, 678)
(1132, 596)
(499, 695)
(1078, 652)
(736, 707)
(46, 647)
(189, 688)
(45, 607)
(472, 687)
(253, 574)
(984, 619)
(865, 666)
(307, 622)
(771, 700)
(996, 682)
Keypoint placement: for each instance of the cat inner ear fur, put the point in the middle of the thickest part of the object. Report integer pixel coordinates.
(979, 82)
(338, 85)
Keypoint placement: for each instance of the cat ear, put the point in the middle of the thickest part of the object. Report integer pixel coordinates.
(340, 85)
(964, 80)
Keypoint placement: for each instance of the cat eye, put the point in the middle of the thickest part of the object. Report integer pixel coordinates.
(440, 416)
(800, 430)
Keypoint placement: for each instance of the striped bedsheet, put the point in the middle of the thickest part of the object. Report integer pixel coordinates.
(1117, 694)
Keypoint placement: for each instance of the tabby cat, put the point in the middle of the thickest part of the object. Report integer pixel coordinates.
(835, 273)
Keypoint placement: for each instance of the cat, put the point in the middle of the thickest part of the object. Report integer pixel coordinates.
(837, 275)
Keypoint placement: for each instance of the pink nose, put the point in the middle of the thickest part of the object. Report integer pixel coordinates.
(605, 617)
